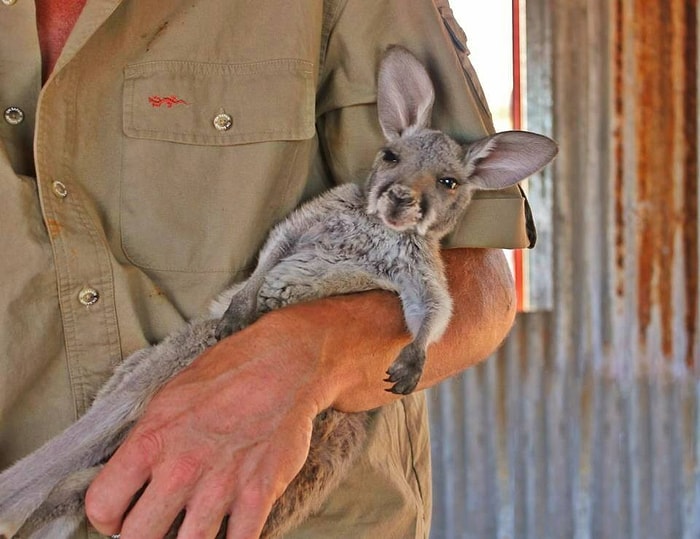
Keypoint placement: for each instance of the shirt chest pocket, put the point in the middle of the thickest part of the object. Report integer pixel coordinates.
(210, 154)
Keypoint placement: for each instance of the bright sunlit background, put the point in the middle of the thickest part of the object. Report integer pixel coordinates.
(488, 26)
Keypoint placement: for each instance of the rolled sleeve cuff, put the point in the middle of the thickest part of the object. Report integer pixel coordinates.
(500, 219)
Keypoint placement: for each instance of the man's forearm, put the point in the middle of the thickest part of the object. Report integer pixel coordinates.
(238, 420)
(356, 337)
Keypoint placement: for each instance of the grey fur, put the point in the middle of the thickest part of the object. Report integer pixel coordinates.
(385, 235)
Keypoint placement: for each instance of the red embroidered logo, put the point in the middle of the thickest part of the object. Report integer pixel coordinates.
(169, 101)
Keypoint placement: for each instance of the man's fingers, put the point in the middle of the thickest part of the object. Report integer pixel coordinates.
(153, 514)
(248, 513)
(207, 510)
(112, 491)
(267, 482)
(138, 460)
(159, 505)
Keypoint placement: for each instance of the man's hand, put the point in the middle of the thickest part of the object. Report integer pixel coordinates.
(227, 435)
(223, 438)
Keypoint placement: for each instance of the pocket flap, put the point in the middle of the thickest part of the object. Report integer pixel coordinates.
(251, 102)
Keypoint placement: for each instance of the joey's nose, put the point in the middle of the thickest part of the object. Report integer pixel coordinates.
(401, 195)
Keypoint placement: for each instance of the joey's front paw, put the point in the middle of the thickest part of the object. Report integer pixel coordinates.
(233, 320)
(406, 370)
(228, 326)
(224, 328)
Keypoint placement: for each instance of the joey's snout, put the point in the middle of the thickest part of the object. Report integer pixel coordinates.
(400, 195)
(400, 207)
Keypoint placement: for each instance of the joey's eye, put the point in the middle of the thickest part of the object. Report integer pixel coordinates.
(449, 183)
(390, 157)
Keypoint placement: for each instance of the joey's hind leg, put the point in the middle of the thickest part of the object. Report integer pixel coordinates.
(406, 370)
(63, 509)
(89, 441)
(25, 486)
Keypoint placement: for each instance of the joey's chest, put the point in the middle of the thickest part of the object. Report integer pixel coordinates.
(354, 237)
(345, 251)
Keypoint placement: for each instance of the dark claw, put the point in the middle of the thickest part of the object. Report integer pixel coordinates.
(405, 379)
(393, 376)
(406, 370)
(404, 388)
(403, 385)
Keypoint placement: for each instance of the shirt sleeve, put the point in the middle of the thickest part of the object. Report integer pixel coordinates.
(347, 123)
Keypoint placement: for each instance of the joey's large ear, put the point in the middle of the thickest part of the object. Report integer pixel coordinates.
(504, 159)
(405, 93)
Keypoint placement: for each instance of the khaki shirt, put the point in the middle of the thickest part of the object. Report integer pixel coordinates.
(147, 171)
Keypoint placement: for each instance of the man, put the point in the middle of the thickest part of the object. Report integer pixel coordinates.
(141, 173)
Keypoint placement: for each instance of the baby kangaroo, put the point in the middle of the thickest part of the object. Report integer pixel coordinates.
(385, 235)
(388, 234)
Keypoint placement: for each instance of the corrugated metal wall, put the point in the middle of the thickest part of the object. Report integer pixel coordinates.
(585, 424)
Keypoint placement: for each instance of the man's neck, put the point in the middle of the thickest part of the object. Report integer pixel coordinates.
(55, 20)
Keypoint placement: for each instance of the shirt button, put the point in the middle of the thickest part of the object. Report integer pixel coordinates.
(88, 296)
(59, 189)
(9, 2)
(14, 115)
(223, 121)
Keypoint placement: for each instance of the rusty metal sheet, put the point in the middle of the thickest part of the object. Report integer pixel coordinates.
(585, 424)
